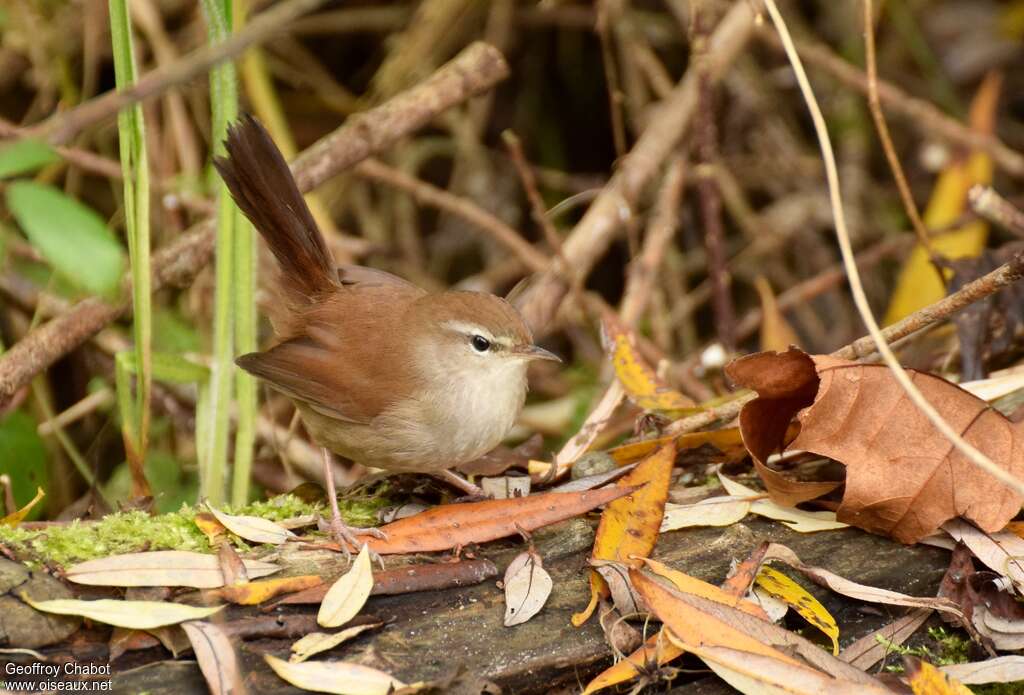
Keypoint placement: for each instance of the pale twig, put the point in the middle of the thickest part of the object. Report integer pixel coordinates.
(921, 113)
(860, 299)
(643, 270)
(64, 125)
(594, 233)
(875, 106)
(995, 208)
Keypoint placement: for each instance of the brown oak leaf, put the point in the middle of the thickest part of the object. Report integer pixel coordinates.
(903, 478)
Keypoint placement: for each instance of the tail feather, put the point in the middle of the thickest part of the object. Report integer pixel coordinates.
(262, 185)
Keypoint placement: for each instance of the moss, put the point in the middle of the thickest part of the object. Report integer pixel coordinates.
(134, 531)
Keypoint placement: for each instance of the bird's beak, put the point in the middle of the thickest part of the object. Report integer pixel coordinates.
(535, 352)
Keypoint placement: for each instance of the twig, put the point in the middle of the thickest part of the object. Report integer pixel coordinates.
(995, 208)
(476, 68)
(643, 270)
(977, 290)
(875, 106)
(706, 136)
(594, 233)
(63, 126)
(860, 299)
(922, 113)
(441, 199)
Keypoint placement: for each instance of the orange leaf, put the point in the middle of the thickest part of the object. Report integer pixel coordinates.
(776, 333)
(693, 626)
(698, 587)
(658, 648)
(903, 478)
(728, 441)
(925, 679)
(252, 593)
(453, 525)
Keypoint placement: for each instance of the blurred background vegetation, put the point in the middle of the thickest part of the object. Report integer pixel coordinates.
(585, 78)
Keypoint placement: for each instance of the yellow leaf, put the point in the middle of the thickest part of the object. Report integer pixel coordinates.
(252, 593)
(919, 283)
(137, 615)
(729, 441)
(334, 677)
(640, 382)
(776, 333)
(657, 649)
(785, 589)
(211, 528)
(346, 596)
(630, 525)
(925, 679)
(16, 517)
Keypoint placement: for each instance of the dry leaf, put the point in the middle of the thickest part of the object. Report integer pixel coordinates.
(873, 647)
(1001, 552)
(252, 528)
(253, 593)
(453, 525)
(211, 528)
(138, 615)
(776, 333)
(693, 620)
(714, 511)
(640, 382)
(317, 642)
(527, 587)
(925, 679)
(787, 492)
(727, 441)
(692, 627)
(616, 579)
(16, 517)
(796, 519)
(346, 596)
(216, 657)
(658, 650)
(903, 478)
(336, 677)
(1002, 669)
(792, 594)
(160, 568)
(629, 526)
(852, 589)
(692, 585)
(754, 673)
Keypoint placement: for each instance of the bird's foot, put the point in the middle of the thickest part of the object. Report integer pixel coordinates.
(474, 493)
(349, 536)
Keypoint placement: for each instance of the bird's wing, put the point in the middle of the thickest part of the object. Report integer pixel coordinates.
(351, 360)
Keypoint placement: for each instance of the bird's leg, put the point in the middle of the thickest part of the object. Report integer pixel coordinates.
(343, 533)
(460, 483)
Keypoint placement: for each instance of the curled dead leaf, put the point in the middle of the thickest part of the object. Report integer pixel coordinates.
(903, 477)
(527, 587)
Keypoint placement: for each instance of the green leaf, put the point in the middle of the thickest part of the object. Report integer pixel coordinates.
(172, 333)
(24, 457)
(72, 237)
(23, 156)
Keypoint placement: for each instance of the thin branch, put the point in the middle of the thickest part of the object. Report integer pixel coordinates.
(996, 209)
(875, 105)
(921, 113)
(592, 236)
(63, 126)
(476, 68)
(860, 299)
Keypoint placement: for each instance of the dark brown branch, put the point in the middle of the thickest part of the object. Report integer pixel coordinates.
(592, 236)
(62, 127)
(475, 69)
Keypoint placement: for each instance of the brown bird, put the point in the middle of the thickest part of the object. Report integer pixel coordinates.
(382, 372)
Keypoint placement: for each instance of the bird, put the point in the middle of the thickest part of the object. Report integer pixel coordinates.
(381, 371)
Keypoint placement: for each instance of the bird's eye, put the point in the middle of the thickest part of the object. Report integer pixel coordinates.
(480, 343)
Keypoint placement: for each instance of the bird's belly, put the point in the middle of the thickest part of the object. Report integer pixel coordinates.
(422, 435)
